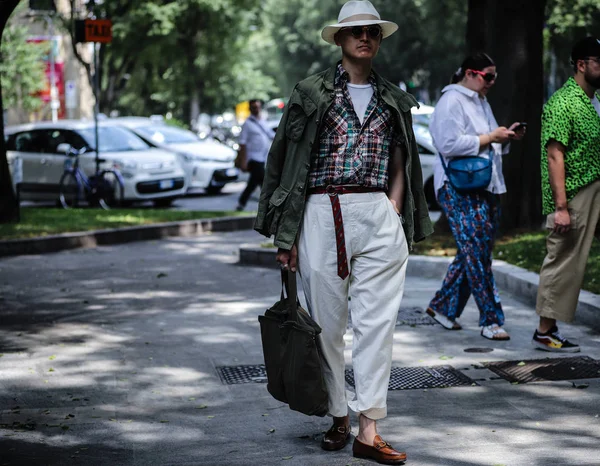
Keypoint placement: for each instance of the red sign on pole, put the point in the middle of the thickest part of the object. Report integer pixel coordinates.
(93, 30)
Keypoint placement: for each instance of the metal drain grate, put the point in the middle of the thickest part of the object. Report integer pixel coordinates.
(407, 316)
(537, 370)
(413, 316)
(407, 378)
(401, 378)
(232, 375)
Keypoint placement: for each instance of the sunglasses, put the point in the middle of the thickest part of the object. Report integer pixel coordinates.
(488, 77)
(373, 32)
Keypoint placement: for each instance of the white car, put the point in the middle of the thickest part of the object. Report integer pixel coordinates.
(148, 173)
(422, 115)
(208, 164)
(427, 155)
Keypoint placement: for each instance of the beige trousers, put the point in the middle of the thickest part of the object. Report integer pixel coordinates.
(563, 268)
(377, 254)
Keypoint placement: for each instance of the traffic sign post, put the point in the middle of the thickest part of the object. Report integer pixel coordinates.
(96, 31)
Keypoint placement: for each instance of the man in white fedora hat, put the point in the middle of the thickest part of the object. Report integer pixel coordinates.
(343, 197)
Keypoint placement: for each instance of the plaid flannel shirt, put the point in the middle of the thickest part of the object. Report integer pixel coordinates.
(351, 153)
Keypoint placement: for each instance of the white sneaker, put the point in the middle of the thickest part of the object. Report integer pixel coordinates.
(443, 320)
(494, 332)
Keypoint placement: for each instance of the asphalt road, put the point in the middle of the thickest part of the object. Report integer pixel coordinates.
(226, 200)
(110, 356)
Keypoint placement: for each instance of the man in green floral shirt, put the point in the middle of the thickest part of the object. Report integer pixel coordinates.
(570, 193)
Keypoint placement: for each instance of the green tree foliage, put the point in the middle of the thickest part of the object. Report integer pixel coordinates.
(21, 67)
(182, 56)
(190, 56)
(567, 21)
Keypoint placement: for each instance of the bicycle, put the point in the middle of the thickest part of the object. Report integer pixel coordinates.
(102, 189)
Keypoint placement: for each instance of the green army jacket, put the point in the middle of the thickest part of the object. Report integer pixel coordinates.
(283, 194)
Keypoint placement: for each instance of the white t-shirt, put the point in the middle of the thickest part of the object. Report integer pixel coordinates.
(596, 104)
(361, 96)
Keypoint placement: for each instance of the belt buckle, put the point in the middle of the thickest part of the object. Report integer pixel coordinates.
(330, 189)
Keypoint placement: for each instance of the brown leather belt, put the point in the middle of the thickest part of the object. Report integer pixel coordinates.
(343, 189)
(340, 239)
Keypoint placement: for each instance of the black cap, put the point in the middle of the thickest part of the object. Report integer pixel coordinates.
(588, 47)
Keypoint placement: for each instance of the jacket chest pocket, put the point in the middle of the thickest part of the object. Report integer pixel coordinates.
(296, 123)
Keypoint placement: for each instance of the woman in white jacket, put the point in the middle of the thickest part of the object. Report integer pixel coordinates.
(463, 124)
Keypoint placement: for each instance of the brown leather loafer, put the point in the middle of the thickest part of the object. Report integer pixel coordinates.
(336, 438)
(381, 451)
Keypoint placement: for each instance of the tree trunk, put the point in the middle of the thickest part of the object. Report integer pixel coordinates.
(510, 31)
(9, 207)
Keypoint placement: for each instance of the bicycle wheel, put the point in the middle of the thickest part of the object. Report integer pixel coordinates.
(110, 189)
(69, 191)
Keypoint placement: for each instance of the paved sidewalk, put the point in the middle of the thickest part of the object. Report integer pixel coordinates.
(109, 356)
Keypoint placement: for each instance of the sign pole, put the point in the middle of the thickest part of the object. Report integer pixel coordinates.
(96, 105)
(54, 102)
(95, 31)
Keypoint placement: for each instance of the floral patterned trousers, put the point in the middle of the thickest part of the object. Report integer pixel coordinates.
(473, 220)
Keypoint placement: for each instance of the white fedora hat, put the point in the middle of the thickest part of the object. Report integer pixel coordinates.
(358, 13)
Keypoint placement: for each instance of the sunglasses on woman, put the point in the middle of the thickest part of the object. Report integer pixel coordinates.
(488, 77)
(373, 32)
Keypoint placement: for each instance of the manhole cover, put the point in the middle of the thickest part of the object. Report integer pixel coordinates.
(231, 375)
(407, 378)
(478, 350)
(537, 370)
(407, 316)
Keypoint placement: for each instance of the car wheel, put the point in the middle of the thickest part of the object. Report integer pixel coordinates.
(213, 189)
(165, 202)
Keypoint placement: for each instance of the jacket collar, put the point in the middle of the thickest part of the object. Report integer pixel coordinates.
(400, 103)
(463, 90)
(342, 77)
(331, 74)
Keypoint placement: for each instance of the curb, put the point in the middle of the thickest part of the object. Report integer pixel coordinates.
(91, 239)
(517, 281)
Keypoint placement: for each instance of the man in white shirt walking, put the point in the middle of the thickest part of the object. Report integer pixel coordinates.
(255, 141)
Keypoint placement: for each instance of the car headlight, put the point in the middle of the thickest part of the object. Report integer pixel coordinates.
(124, 164)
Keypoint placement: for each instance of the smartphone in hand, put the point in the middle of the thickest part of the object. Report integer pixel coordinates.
(520, 126)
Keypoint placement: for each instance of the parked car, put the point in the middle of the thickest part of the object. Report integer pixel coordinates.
(422, 115)
(427, 155)
(149, 173)
(208, 164)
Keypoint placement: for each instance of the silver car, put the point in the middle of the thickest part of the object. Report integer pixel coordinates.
(208, 164)
(148, 173)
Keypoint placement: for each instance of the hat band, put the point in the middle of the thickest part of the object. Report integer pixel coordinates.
(352, 18)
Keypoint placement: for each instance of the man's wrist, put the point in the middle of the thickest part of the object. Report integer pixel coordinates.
(561, 207)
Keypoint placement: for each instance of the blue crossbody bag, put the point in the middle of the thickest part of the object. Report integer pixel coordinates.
(470, 173)
(467, 174)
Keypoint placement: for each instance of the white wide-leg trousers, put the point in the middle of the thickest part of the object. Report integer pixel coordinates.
(377, 255)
